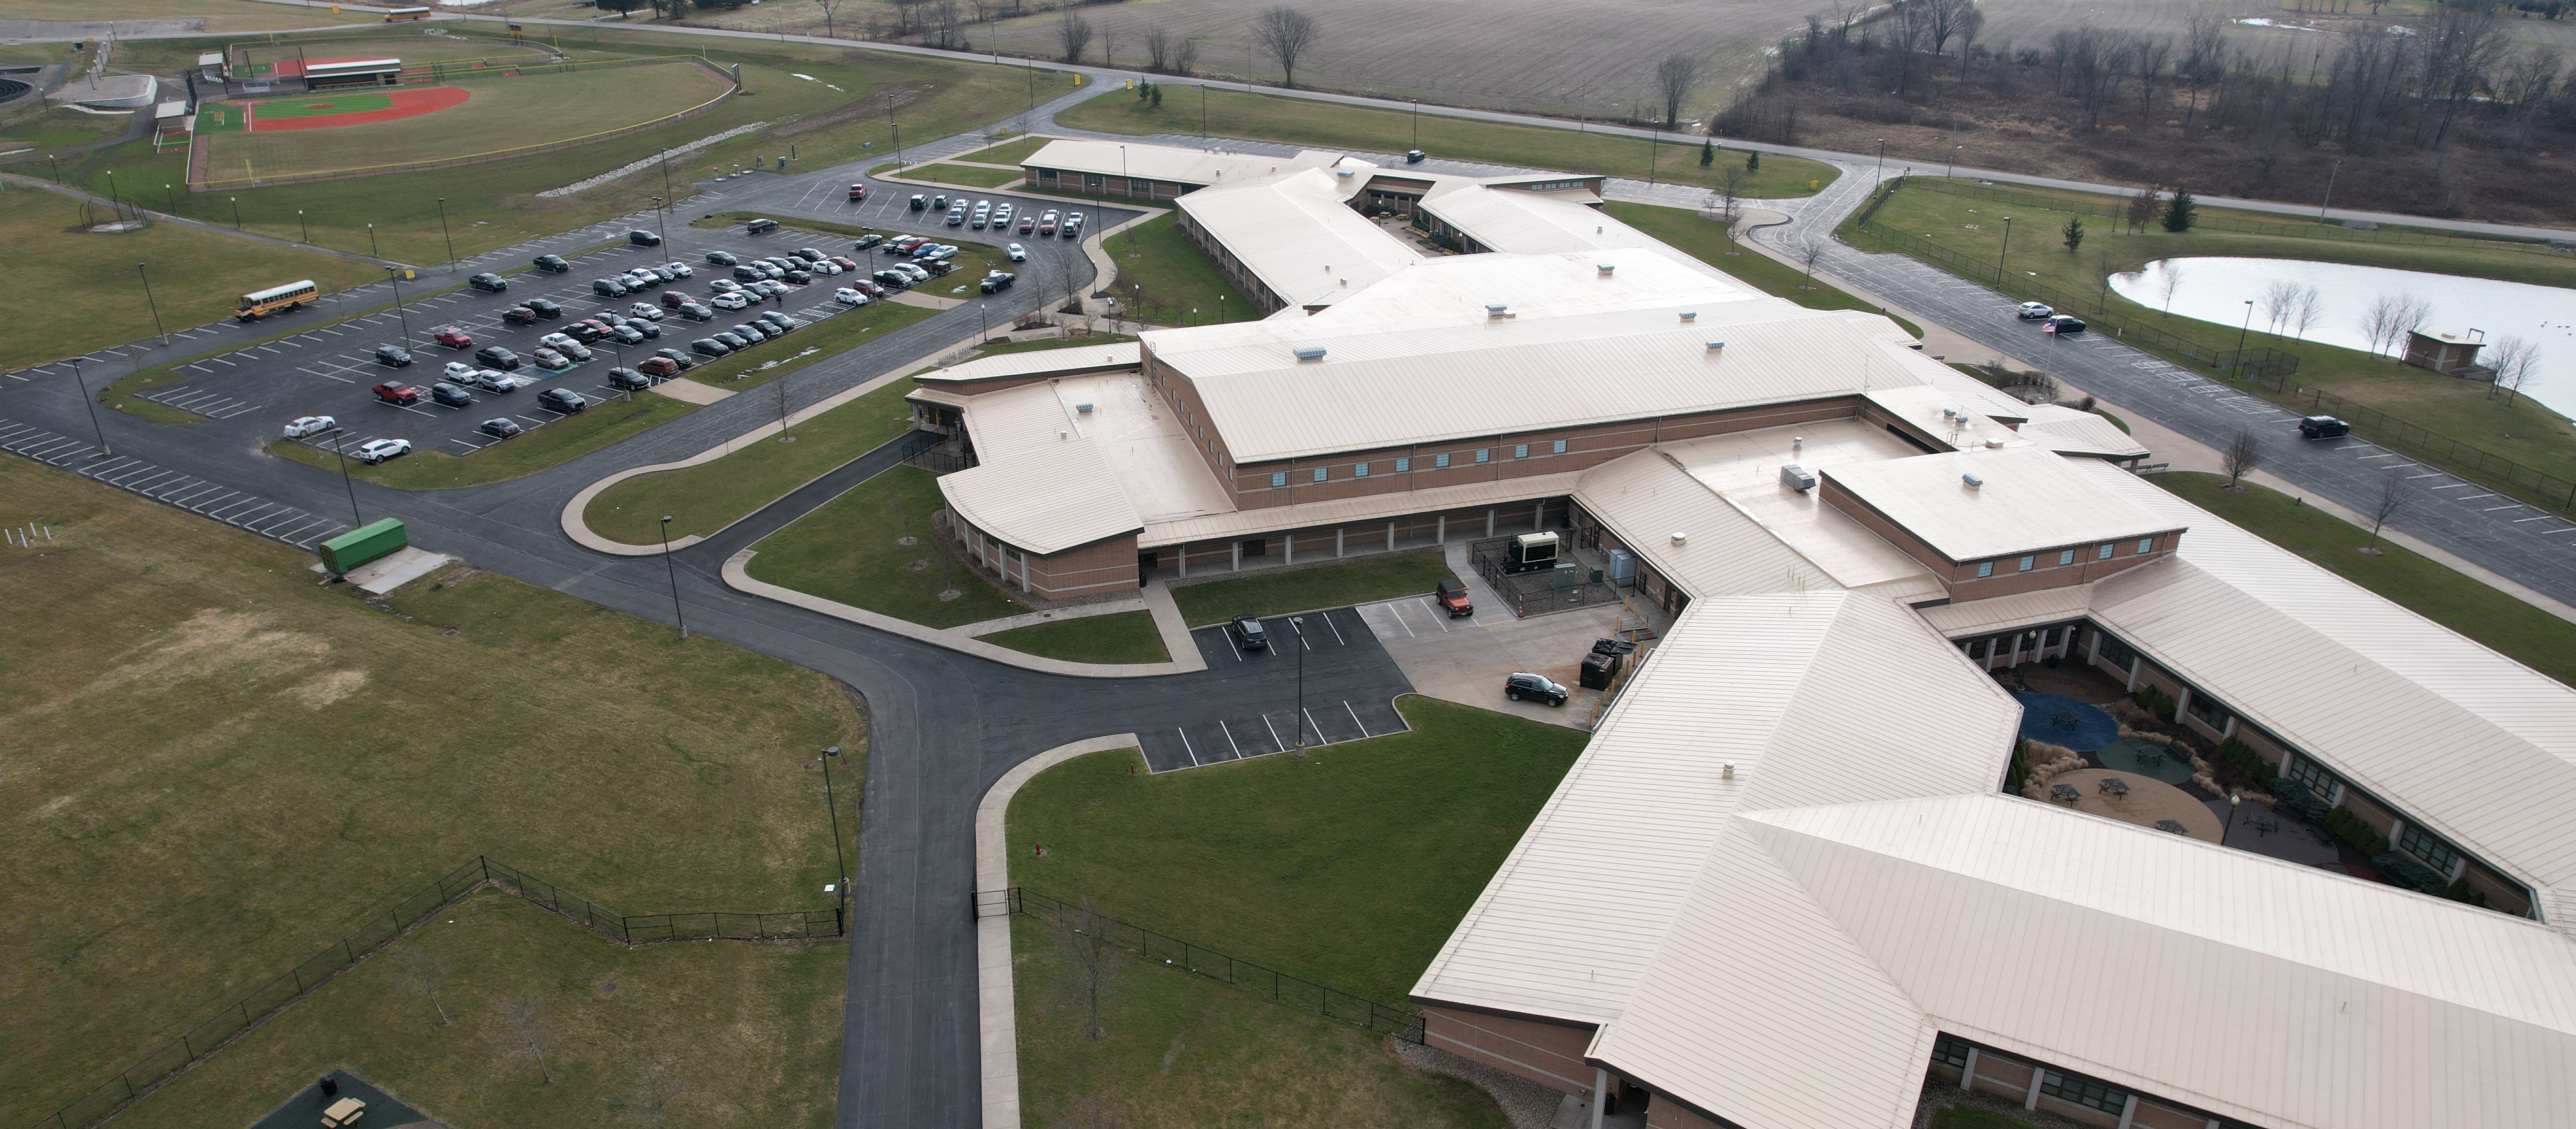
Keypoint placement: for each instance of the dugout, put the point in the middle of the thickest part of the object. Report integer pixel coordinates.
(353, 72)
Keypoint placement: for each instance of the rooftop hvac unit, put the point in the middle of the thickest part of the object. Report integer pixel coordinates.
(1714, 346)
(1795, 477)
(1496, 310)
(1606, 268)
(1311, 353)
(1994, 444)
(1085, 409)
(1623, 566)
(1689, 317)
(1972, 482)
(1680, 537)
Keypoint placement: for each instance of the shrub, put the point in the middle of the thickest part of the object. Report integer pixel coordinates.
(2459, 892)
(2403, 870)
(2158, 702)
(2297, 799)
(2020, 767)
(2349, 830)
(2249, 764)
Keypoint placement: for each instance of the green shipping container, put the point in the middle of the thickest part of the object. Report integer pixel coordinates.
(363, 544)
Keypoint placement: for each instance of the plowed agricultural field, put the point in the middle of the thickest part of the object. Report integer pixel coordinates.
(500, 114)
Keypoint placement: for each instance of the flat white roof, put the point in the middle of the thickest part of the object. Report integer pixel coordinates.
(2070, 432)
(1070, 359)
(1041, 485)
(1295, 234)
(2030, 499)
(1185, 166)
(1459, 289)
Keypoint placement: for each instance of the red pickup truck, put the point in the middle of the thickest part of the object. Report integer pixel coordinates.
(454, 338)
(397, 392)
(858, 192)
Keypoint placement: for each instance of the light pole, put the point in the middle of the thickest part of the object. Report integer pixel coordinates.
(983, 326)
(2000, 252)
(92, 401)
(148, 300)
(371, 242)
(394, 276)
(1881, 173)
(1220, 309)
(1953, 170)
(1202, 116)
(302, 226)
(2330, 183)
(841, 862)
(112, 197)
(2239, 360)
(337, 446)
(661, 225)
(666, 171)
(1654, 152)
(236, 212)
(674, 571)
(442, 231)
(173, 194)
(1417, 123)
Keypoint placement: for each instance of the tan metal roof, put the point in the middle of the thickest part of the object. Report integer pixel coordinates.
(1068, 360)
(1298, 237)
(1458, 289)
(1649, 500)
(1184, 166)
(1042, 486)
(2070, 432)
(1364, 507)
(2029, 499)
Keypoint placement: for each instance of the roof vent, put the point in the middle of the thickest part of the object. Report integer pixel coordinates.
(1972, 482)
(1606, 268)
(1992, 444)
(1061, 435)
(1680, 537)
(1714, 346)
(1085, 409)
(1345, 174)
(1311, 353)
(1689, 316)
(1795, 477)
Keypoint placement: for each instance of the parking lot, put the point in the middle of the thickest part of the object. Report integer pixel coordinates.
(1350, 689)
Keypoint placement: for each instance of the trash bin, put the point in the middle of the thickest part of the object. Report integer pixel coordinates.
(1598, 670)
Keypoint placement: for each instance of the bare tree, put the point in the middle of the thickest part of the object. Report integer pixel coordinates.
(2525, 82)
(1158, 49)
(1109, 37)
(828, 6)
(2147, 59)
(2515, 362)
(2278, 298)
(2385, 506)
(658, 1086)
(425, 971)
(2171, 282)
(2391, 318)
(1971, 20)
(1675, 75)
(1807, 247)
(1946, 18)
(1185, 55)
(1082, 937)
(1073, 33)
(1731, 189)
(1286, 34)
(2142, 209)
(2305, 312)
(523, 1032)
(2242, 456)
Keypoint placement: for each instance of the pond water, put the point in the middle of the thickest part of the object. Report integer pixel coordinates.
(2216, 289)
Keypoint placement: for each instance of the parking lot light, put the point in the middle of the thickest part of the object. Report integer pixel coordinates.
(173, 194)
(306, 228)
(442, 231)
(148, 300)
(1297, 625)
(394, 275)
(337, 443)
(674, 571)
(371, 242)
(92, 401)
(236, 212)
(842, 886)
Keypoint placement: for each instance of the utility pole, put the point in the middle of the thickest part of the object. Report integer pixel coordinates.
(92, 401)
(148, 300)
(2239, 360)
(2000, 252)
(442, 231)
(394, 276)
(841, 880)
(371, 242)
(1880, 174)
(674, 571)
(2330, 183)
(346, 481)
(236, 213)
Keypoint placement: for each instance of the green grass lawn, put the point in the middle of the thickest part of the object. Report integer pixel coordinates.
(751, 1031)
(712, 495)
(94, 296)
(851, 550)
(2534, 638)
(2520, 430)
(1124, 637)
(1165, 279)
(1298, 121)
(1279, 592)
(1348, 868)
(1008, 152)
(1707, 241)
(1185, 1052)
(961, 174)
(603, 423)
(289, 760)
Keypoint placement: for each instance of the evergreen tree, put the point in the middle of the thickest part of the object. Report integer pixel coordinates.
(1707, 153)
(2179, 211)
(1753, 162)
(2074, 233)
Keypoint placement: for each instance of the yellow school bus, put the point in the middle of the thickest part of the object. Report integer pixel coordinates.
(399, 14)
(276, 298)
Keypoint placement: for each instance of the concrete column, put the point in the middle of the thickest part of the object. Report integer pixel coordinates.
(2128, 1111)
(2031, 1100)
(1390, 537)
(1538, 515)
(2093, 654)
(1237, 566)
(1489, 523)
(1337, 541)
(1185, 560)
(1440, 529)
(1600, 1094)
(2182, 704)
(1968, 1075)
(1290, 541)
(2396, 827)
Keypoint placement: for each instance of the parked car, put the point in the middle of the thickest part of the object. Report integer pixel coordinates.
(642, 238)
(864, 242)
(1248, 633)
(800, 276)
(753, 331)
(915, 271)
(553, 264)
(674, 299)
(459, 370)
(584, 331)
(1028, 224)
(722, 258)
(1534, 687)
(997, 282)
(2033, 311)
(488, 283)
(2065, 323)
(628, 378)
(1452, 596)
(858, 192)
(627, 335)
(392, 356)
(2323, 427)
(1002, 214)
(494, 356)
(1072, 226)
(769, 288)
(729, 301)
(452, 395)
(844, 262)
(545, 308)
(748, 273)
(1046, 222)
(710, 347)
(550, 360)
(760, 227)
(808, 254)
(608, 288)
(303, 426)
(849, 297)
(892, 279)
(870, 288)
(676, 357)
(824, 268)
(1017, 253)
(492, 380)
(723, 285)
(679, 269)
(378, 450)
(1413, 156)
(564, 342)
(782, 321)
(919, 201)
(940, 268)
(561, 400)
(501, 428)
(453, 337)
(732, 340)
(651, 312)
(696, 312)
(396, 392)
(519, 315)
(660, 368)
(644, 329)
(939, 203)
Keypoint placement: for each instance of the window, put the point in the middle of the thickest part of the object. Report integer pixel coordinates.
(1484, 454)
(1279, 478)
(1520, 450)
(1951, 1051)
(2067, 557)
(1977, 649)
(2209, 712)
(1319, 474)
(1359, 470)
(1985, 569)
(2116, 652)
(2084, 1092)
(2027, 563)
(2106, 553)
(1558, 449)
(2307, 771)
(2146, 544)
(2422, 844)
(1404, 466)
(1440, 460)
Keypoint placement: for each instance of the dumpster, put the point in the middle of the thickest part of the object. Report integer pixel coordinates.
(363, 544)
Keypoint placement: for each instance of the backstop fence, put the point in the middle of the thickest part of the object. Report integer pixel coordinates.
(237, 1018)
(1306, 995)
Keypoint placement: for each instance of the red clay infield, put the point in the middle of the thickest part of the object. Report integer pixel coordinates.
(399, 104)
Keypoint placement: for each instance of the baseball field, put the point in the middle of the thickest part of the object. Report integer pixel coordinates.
(387, 128)
(289, 58)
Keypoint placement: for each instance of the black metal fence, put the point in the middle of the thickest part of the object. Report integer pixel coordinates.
(1384, 1019)
(1534, 592)
(241, 1015)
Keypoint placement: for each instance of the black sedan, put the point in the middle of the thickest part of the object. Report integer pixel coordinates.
(502, 428)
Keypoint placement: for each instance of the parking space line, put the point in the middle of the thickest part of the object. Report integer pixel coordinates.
(1337, 631)
(1274, 731)
(1310, 721)
(1355, 717)
(217, 500)
(1185, 745)
(1229, 738)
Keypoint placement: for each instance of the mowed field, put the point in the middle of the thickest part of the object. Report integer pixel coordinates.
(413, 49)
(214, 15)
(501, 113)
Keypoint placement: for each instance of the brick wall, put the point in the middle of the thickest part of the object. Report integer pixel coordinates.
(1550, 1054)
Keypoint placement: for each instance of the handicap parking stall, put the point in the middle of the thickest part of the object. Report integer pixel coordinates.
(1256, 710)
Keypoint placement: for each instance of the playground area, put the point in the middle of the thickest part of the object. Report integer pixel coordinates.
(369, 130)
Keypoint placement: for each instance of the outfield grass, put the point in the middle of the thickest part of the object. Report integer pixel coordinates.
(1186, 1052)
(712, 495)
(2521, 429)
(1279, 592)
(288, 760)
(93, 297)
(1299, 121)
(494, 204)
(1165, 279)
(1707, 240)
(961, 174)
(753, 1031)
(1349, 868)
(1008, 152)
(2534, 638)
(850, 550)
(603, 423)
(1122, 637)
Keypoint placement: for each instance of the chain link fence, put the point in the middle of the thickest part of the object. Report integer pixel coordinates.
(234, 1019)
(1385, 1019)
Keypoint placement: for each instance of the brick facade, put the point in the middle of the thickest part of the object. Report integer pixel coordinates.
(1548, 1053)
(2051, 566)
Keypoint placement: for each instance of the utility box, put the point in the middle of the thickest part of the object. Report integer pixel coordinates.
(1623, 566)
(363, 544)
(1530, 552)
(1566, 574)
(1796, 477)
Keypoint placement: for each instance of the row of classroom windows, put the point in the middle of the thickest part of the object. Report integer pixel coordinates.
(1405, 465)
(2065, 557)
